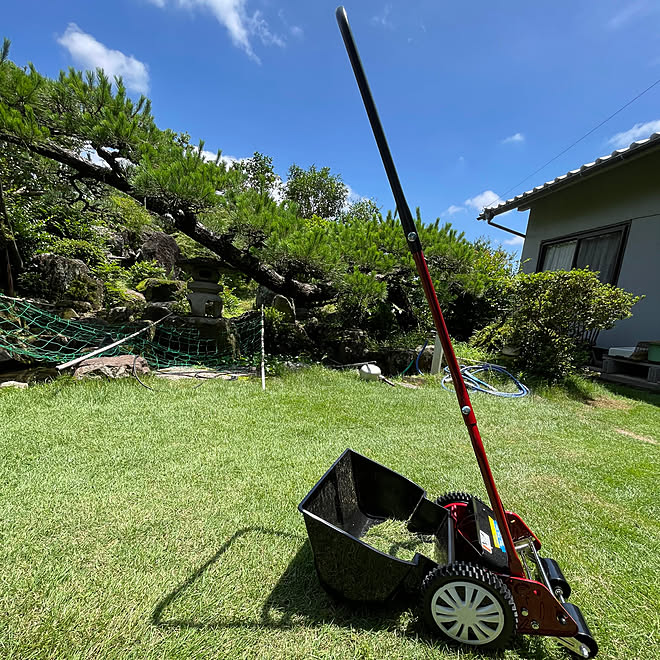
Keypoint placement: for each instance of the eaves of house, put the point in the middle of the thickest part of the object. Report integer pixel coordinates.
(525, 200)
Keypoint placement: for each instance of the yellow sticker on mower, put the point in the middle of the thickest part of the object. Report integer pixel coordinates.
(497, 537)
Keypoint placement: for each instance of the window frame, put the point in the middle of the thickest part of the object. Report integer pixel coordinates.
(623, 227)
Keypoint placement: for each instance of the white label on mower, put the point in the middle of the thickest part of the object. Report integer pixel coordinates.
(485, 542)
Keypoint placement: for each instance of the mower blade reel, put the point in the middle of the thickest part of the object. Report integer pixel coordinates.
(582, 644)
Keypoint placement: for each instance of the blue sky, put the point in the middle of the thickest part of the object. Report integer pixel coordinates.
(473, 96)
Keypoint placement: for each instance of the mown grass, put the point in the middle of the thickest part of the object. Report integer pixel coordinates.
(142, 525)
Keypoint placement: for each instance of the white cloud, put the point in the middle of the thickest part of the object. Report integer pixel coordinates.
(630, 11)
(294, 30)
(454, 209)
(383, 19)
(353, 196)
(637, 132)
(210, 156)
(514, 241)
(482, 200)
(516, 138)
(233, 15)
(89, 53)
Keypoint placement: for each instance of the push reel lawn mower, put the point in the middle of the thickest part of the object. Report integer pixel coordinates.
(487, 580)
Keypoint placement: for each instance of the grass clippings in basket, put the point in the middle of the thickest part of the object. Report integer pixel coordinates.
(393, 538)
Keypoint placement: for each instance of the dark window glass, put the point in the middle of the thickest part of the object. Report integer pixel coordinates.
(598, 252)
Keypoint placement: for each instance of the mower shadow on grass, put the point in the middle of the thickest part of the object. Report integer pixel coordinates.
(298, 600)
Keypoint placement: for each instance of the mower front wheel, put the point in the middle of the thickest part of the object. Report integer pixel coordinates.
(469, 604)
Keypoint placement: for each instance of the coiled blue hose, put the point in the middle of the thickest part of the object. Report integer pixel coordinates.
(478, 385)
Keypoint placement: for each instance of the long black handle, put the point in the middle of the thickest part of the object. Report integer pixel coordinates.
(401, 204)
(515, 565)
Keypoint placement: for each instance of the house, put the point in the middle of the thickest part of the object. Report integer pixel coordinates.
(605, 215)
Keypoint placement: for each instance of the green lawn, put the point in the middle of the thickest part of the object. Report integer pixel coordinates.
(164, 525)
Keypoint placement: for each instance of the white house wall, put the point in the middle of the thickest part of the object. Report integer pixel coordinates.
(627, 192)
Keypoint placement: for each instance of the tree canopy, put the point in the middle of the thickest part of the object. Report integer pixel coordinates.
(83, 135)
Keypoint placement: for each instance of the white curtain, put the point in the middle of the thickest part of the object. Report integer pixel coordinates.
(599, 253)
(559, 256)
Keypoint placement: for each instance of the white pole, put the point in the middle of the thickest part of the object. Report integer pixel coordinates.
(263, 353)
(103, 349)
(436, 362)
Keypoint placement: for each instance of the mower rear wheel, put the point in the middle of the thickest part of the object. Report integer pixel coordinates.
(469, 604)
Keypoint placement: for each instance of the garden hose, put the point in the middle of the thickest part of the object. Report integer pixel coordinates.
(415, 361)
(478, 385)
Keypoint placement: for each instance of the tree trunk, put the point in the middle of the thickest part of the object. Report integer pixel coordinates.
(186, 221)
(8, 249)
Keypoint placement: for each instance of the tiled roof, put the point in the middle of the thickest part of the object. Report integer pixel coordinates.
(526, 198)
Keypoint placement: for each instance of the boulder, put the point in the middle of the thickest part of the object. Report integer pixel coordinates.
(119, 315)
(68, 313)
(158, 290)
(15, 384)
(284, 305)
(269, 298)
(264, 297)
(156, 311)
(119, 366)
(60, 278)
(161, 247)
(135, 301)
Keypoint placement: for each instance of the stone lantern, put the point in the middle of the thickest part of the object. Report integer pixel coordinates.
(204, 288)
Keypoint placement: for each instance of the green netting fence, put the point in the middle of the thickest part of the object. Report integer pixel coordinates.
(29, 331)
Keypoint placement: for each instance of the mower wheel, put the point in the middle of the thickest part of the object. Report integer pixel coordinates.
(454, 497)
(469, 604)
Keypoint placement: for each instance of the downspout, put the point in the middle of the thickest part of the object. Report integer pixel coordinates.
(511, 231)
(489, 219)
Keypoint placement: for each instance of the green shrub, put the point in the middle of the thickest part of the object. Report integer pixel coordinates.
(546, 317)
(360, 296)
(111, 272)
(32, 283)
(86, 289)
(231, 303)
(128, 213)
(72, 248)
(114, 295)
(143, 270)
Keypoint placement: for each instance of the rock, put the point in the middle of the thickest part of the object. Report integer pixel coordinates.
(119, 315)
(303, 313)
(269, 298)
(156, 311)
(60, 278)
(69, 313)
(264, 297)
(14, 383)
(157, 290)
(161, 247)
(425, 359)
(119, 366)
(114, 241)
(284, 305)
(135, 301)
(81, 306)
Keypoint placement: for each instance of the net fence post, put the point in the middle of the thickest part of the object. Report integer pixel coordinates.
(263, 353)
